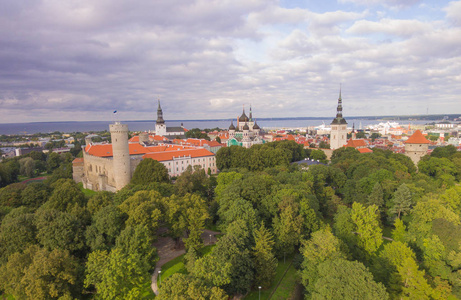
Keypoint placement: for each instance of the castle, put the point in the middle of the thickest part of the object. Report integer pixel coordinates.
(109, 167)
(246, 134)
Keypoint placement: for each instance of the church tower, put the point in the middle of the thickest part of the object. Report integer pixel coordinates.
(120, 154)
(160, 127)
(338, 136)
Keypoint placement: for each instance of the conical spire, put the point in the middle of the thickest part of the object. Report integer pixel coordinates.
(339, 111)
(251, 115)
(160, 114)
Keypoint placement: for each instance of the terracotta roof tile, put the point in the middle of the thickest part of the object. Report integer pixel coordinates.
(417, 138)
(355, 143)
(365, 150)
(168, 155)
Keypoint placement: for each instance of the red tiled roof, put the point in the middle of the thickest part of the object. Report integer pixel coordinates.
(355, 143)
(105, 150)
(365, 150)
(417, 138)
(78, 161)
(168, 155)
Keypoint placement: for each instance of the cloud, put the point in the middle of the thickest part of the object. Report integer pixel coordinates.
(388, 3)
(62, 60)
(453, 11)
(401, 28)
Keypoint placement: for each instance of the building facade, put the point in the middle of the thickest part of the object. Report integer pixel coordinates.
(109, 167)
(416, 146)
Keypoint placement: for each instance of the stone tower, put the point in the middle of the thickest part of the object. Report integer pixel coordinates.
(416, 146)
(338, 136)
(160, 127)
(120, 154)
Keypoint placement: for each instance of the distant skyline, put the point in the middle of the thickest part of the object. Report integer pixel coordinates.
(205, 59)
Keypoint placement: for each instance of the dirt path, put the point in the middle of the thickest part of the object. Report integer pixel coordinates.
(33, 179)
(166, 252)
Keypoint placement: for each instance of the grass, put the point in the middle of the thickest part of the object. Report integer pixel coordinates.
(176, 265)
(88, 193)
(281, 268)
(287, 286)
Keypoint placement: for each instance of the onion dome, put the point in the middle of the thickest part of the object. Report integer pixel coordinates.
(256, 126)
(245, 127)
(232, 127)
(243, 117)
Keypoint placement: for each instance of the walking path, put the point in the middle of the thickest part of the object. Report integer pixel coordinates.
(166, 252)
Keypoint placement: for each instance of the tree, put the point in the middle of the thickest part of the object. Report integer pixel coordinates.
(401, 202)
(116, 275)
(41, 274)
(98, 201)
(106, 226)
(376, 196)
(138, 240)
(414, 284)
(182, 286)
(17, 232)
(322, 246)
(35, 194)
(27, 167)
(287, 226)
(399, 232)
(66, 196)
(192, 180)
(59, 230)
(366, 220)
(265, 262)
(148, 171)
(229, 264)
(342, 279)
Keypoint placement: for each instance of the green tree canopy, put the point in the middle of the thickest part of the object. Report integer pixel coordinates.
(148, 171)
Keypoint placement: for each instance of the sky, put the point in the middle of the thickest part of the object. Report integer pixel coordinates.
(79, 60)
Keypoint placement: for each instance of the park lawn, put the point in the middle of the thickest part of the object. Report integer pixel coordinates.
(281, 268)
(287, 285)
(176, 265)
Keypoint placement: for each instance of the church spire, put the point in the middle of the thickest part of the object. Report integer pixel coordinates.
(160, 114)
(339, 110)
(251, 115)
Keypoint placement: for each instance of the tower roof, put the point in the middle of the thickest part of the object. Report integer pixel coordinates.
(417, 138)
(256, 126)
(339, 112)
(232, 127)
(160, 114)
(243, 117)
(245, 127)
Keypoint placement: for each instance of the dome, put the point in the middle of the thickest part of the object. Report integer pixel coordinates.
(245, 127)
(243, 117)
(232, 127)
(256, 126)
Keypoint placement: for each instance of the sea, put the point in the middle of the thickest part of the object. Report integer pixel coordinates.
(88, 126)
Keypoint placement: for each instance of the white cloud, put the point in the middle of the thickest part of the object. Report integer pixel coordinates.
(389, 3)
(453, 11)
(403, 28)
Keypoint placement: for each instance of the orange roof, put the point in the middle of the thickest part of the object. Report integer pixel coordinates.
(105, 150)
(291, 137)
(77, 161)
(417, 138)
(365, 150)
(134, 139)
(355, 143)
(169, 155)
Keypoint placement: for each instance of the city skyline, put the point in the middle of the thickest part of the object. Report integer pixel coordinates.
(65, 61)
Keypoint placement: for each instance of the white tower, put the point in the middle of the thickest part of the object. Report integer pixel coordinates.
(120, 154)
(160, 127)
(338, 136)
